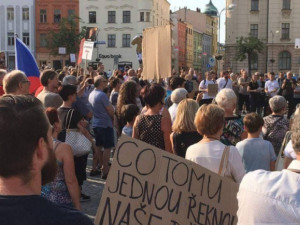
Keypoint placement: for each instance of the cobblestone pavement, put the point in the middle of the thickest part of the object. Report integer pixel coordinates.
(93, 187)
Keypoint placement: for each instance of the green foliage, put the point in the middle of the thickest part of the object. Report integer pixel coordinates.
(247, 47)
(67, 36)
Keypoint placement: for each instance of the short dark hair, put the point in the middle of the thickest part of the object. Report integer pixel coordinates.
(114, 81)
(272, 73)
(66, 91)
(129, 112)
(47, 75)
(22, 123)
(153, 94)
(253, 122)
(176, 82)
(52, 115)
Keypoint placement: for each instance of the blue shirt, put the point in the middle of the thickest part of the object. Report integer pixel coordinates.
(256, 154)
(99, 102)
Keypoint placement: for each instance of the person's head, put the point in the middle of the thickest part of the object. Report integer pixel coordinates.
(115, 83)
(244, 74)
(226, 74)
(262, 77)
(253, 123)
(131, 73)
(130, 112)
(49, 79)
(255, 77)
(210, 120)
(226, 99)
(185, 116)
(281, 75)
(208, 75)
(277, 104)
(271, 76)
(289, 75)
(54, 119)
(176, 82)
(26, 143)
(16, 83)
(127, 95)
(68, 93)
(2, 74)
(100, 82)
(69, 79)
(153, 94)
(178, 95)
(233, 77)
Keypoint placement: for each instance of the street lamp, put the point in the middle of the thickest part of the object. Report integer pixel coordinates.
(212, 11)
(273, 34)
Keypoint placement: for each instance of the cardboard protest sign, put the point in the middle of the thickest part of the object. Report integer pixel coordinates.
(212, 90)
(149, 186)
(157, 53)
(87, 52)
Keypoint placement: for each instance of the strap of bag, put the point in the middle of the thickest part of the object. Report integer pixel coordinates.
(226, 83)
(224, 160)
(271, 128)
(68, 121)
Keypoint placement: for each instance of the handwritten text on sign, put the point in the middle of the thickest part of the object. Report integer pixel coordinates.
(148, 186)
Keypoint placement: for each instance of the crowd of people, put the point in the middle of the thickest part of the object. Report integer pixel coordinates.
(242, 133)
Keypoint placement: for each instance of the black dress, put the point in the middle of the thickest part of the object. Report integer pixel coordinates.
(182, 141)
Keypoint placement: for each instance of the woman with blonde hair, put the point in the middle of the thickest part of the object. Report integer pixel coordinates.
(210, 152)
(184, 131)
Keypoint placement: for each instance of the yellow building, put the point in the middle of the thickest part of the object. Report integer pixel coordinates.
(189, 45)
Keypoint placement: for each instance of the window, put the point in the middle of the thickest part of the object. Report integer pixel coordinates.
(43, 16)
(10, 39)
(43, 40)
(254, 62)
(111, 16)
(147, 16)
(284, 60)
(10, 13)
(285, 31)
(254, 30)
(92, 17)
(25, 13)
(26, 39)
(254, 5)
(286, 4)
(126, 40)
(126, 16)
(142, 16)
(71, 12)
(111, 40)
(57, 15)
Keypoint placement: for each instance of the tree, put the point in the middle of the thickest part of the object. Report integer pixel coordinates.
(67, 36)
(248, 47)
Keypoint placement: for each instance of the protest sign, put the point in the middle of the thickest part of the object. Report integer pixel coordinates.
(212, 90)
(157, 53)
(87, 52)
(149, 186)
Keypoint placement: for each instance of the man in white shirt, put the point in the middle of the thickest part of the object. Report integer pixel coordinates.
(271, 197)
(224, 82)
(271, 86)
(203, 87)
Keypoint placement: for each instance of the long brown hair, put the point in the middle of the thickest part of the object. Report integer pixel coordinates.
(127, 95)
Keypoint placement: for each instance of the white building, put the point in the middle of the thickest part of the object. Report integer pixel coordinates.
(17, 17)
(118, 22)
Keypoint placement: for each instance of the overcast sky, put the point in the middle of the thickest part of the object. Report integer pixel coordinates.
(193, 4)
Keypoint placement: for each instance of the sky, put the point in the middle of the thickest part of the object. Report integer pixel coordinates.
(193, 4)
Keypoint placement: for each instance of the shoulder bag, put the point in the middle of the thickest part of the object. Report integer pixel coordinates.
(224, 163)
(79, 143)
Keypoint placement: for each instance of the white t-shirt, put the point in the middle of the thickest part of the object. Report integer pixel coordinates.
(203, 85)
(173, 111)
(222, 83)
(209, 155)
(272, 86)
(289, 151)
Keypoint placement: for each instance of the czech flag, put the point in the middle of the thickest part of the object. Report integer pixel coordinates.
(26, 63)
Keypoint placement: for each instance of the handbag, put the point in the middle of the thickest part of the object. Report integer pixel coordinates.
(224, 163)
(79, 143)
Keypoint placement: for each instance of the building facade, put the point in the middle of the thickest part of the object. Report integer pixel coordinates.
(197, 50)
(189, 45)
(48, 15)
(117, 23)
(181, 44)
(272, 21)
(17, 17)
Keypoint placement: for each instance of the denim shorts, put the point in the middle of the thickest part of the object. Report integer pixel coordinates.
(104, 137)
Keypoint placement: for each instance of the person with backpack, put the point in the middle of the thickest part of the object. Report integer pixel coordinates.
(203, 87)
(225, 81)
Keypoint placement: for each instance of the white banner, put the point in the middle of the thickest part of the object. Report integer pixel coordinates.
(87, 52)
